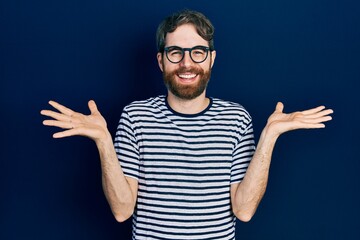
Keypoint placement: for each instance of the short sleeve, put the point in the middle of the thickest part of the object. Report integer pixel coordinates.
(242, 154)
(126, 146)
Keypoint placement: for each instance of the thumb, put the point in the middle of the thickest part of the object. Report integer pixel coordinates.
(92, 107)
(279, 107)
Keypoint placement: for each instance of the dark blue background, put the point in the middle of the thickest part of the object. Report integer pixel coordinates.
(304, 53)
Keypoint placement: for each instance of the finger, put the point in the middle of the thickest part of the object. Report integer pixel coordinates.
(307, 125)
(320, 114)
(61, 108)
(279, 107)
(67, 133)
(60, 124)
(313, 110)
(92, 107)
(318, 120)
(313, 126)
(55, 115)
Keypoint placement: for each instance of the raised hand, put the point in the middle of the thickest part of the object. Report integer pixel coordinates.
(247, 195)
(92, 126)
(280, 122)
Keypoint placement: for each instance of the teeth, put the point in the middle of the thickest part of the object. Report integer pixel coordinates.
(187, 75)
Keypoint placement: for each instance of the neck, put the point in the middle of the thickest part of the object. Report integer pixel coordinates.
(192, 106)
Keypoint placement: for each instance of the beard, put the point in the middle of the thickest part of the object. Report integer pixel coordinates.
(187, 91)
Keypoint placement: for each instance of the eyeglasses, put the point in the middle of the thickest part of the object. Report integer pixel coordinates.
(176, 54)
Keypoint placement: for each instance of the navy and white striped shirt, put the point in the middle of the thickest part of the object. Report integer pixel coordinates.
(184, 165)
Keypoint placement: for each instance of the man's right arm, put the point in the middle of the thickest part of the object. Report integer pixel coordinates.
(120, 191)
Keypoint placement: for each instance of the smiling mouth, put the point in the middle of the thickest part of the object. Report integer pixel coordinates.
(187, 76)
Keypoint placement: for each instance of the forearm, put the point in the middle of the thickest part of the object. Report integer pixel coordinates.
(116, 187)
(120, 191)
(252, 188)
(246, 196)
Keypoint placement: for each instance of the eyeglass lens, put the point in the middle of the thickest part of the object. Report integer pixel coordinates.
(176, 54)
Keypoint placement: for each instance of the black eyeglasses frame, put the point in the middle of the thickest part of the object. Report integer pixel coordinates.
(183, 50)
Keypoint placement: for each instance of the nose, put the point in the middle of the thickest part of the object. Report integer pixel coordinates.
(186, 61)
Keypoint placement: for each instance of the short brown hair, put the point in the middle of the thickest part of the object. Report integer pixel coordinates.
(202, 24)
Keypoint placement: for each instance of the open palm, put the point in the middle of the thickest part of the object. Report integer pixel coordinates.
(281, 122)
(92, 126)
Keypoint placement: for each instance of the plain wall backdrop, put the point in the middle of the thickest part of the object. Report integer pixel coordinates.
(303, 53)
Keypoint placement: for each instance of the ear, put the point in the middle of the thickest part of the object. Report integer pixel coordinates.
(213, 55)
(160, 60)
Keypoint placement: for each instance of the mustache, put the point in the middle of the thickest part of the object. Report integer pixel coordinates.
(188, 70)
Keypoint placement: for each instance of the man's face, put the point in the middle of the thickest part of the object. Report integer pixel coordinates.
(186, 79)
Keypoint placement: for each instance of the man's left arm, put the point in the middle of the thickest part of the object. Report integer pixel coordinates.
(246, 195)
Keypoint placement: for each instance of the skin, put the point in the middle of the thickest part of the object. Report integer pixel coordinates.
(185, 36)
(121, 191)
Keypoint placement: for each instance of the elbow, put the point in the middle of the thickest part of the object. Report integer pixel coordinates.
(244, 217)
(245, 212)
(122, 217)
(123, 211)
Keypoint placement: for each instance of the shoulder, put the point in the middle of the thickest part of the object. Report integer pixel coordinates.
(152, 107)
(147, 104)
(231, 108)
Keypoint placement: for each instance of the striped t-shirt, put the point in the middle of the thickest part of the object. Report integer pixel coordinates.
(184, 165)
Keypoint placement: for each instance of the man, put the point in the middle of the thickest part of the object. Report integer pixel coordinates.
(183, 156)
